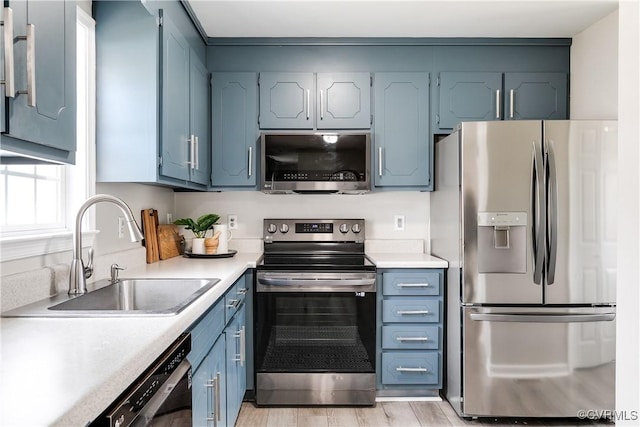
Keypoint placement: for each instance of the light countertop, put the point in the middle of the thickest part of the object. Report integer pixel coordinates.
(66, 371)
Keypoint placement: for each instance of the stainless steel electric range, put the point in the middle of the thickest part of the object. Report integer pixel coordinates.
(315, 314)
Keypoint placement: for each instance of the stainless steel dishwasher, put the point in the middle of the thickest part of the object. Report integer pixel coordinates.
(161, 396)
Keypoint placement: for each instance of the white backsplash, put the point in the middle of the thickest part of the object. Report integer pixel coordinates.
(251, 207)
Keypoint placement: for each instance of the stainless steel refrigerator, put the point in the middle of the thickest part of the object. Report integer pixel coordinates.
(525, 213)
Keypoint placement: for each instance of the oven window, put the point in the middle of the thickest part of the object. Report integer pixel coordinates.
(315, 332)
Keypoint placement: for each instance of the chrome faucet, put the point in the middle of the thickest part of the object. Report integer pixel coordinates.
(79, 273)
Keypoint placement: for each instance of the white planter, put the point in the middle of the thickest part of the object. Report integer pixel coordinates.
(197, 245)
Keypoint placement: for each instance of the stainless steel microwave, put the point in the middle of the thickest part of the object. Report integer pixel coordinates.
(315, 162)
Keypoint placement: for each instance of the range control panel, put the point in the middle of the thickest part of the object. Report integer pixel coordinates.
(304, 230)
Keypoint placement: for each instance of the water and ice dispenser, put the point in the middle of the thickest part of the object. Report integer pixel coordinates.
(502, 242)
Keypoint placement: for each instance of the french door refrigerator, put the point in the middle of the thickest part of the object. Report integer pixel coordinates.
(525, 213)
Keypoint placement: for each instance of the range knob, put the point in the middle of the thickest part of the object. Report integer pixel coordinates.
(355, 228)
(284, 228)
(344, 228)
(271, 228)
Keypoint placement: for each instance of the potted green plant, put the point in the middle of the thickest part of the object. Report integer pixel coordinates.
(199, 227)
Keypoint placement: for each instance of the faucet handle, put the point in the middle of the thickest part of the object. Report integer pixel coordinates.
(115, 268)
(88, 270)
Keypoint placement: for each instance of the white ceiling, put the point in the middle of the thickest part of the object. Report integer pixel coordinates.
(389, 18)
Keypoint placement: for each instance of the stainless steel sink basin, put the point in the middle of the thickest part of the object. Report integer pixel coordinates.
(127, 297)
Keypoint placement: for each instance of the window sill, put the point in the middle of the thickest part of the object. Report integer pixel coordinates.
(26, 246)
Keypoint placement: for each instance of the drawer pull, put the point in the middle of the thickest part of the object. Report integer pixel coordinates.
(412, 312)
(401, 369)
(235, 303)
(242, 291)
(413, 285)
(412, 339)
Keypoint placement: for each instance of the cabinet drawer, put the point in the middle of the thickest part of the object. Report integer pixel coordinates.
(410, 368)
(234, 298)
(407, 310)
(412, 282)
(205, 333)
(413, 337)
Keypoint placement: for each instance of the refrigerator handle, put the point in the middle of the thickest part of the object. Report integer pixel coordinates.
(538, 203)
(542, 318)
(552, 213)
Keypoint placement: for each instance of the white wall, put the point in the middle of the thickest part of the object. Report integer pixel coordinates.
(628, 319)
(251, 207)
(594, 71)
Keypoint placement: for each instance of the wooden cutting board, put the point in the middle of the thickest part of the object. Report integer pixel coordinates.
(168, 241)
(150, 225)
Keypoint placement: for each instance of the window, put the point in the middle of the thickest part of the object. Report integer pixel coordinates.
(39, 201)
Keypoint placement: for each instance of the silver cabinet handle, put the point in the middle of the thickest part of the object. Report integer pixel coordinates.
(218, 393)
(9, 76)
(234, 303)
(379, 161)
(542, 318)
(412, 339)
(250, 161)
(308, 102)
(242, 291)
(31, 65)
(401, 369)
(243, 346)
(321, 105)
(412, 312)
(511, 99)
(196, 154)
(413, 285)
(212, 384)
(498, 104)
(191, 143)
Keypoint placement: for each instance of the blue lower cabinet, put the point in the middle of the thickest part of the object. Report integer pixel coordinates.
(235, 336)
(410, 332)
(410, 368)
(209, 388)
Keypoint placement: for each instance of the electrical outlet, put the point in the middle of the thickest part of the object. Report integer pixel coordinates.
(169, 218)
(121, 227)
(398, 223)
(232, 221)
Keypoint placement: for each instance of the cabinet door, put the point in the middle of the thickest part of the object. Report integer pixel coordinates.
(175, 142)
(51, 119)
(209, 388)
(468, 96)
(402, 129)
(234, 129)
(236, 364)
(199, 118)
(2, 77)
(535, 96)
(287, 101)
(343, 101)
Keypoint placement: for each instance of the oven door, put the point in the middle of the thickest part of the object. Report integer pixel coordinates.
(316, 346)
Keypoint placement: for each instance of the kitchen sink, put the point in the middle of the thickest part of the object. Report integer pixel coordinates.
(126, 297)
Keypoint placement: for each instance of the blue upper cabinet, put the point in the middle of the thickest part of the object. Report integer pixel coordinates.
(234, 129)
(343, 101)
(152, 96)
(185, 109)
(302, 101)
(531, 96)
(287, 101)
(41, 123)
(468, 96)
(474, 96)
(176, 140)
(401, 130)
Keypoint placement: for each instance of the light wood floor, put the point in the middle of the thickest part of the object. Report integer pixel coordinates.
(384, 414)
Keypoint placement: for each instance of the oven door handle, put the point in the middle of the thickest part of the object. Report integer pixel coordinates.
(289, 281)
